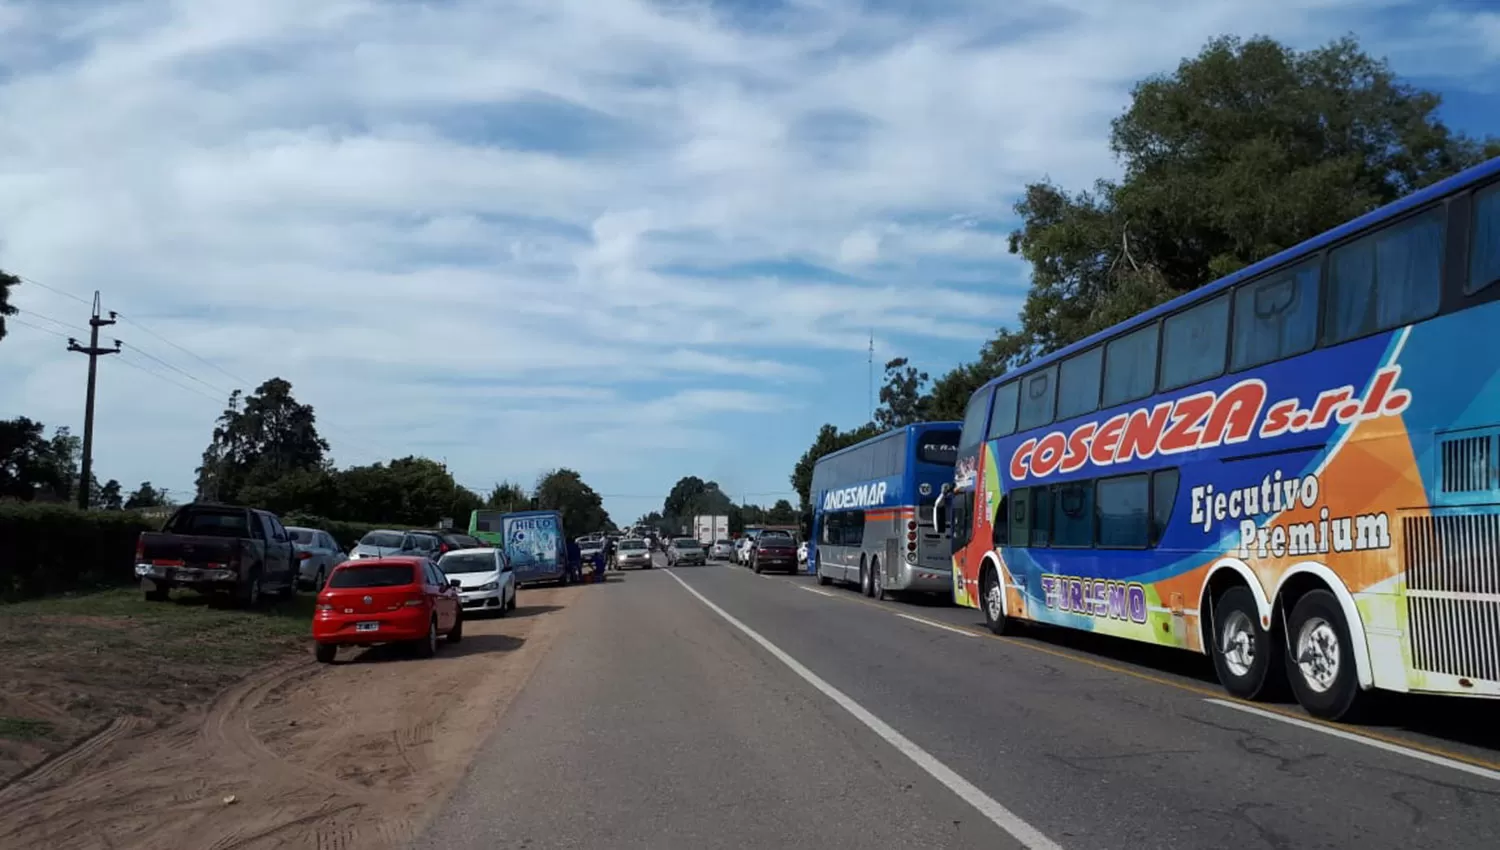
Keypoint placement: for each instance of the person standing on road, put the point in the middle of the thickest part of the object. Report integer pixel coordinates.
(599, 565)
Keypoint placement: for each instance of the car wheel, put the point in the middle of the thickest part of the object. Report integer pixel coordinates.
(755, 565)
(1320, 658)
(321, 580)
(325, 652)
(249, 591)
(1245, 656)
(157, 594)
(427, 647)
(456, 633)
(513, 594)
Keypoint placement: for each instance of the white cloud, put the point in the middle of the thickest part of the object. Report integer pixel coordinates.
(481, 229)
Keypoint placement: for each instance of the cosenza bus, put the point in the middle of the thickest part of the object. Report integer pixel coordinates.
(1292, 469)
(872, 512)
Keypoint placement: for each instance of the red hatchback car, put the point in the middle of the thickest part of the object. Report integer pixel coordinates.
(386, 600)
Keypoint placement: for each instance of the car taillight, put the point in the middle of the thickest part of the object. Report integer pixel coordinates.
(140, 549)
(302, 556)
(443, 549)
(324, 606)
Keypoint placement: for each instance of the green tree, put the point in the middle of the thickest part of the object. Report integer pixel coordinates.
(902, 397)
(146, 496)
(258, 440)
(1247, 149)
(582, 509)
(109, 497)
(692, 496)
(7, 283)
(829, 439)
(33, 466)
(782, 513)
(508, 496)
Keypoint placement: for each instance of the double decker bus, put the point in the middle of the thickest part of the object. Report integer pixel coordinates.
(872, 512)
(1292, 469)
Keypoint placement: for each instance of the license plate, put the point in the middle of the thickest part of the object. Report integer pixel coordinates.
(366, 627)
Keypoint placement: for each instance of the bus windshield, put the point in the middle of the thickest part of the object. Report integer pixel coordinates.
(939, 447)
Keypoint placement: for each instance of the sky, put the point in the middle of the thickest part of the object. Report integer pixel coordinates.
(639, 238)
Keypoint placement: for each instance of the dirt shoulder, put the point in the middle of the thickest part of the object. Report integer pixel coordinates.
(295, 754)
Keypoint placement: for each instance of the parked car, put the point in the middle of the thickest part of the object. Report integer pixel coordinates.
(589, 546)
(217, 548)
(429, 543)
(387, 600)
(722, 550)
(742, 549)
(633, 553)
(449, 540)
(802, 552)
(384, 543)
(774, 551)
(317, 553)
(487, 581)
(686, 550)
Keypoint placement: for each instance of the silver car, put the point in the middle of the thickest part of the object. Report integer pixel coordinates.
(633, 553)
(686, 550)
(723, 550)
(385, 543)
(317, 553)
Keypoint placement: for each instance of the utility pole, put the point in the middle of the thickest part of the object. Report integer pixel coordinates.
(86, 467)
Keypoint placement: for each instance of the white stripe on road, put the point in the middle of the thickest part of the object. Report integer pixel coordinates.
(1028, 835)
(944, 626)
(1430, 758)
(813, 590)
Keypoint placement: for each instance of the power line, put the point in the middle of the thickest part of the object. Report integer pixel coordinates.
(35, 315)
(54, 289)
(160, 377)
(190, 376)
(10, 319)
(241, 382)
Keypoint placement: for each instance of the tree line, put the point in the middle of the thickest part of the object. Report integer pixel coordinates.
(265, 450)
(692, 496)
(1245, 150)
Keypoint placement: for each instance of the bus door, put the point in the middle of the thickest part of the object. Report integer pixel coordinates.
(961, 530)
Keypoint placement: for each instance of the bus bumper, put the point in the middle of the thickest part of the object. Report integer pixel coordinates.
(922, 579)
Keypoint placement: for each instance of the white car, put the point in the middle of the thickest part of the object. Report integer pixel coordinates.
(742, 549)
(486, 580)
(723, 550)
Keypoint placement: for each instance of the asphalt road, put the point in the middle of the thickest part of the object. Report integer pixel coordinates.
(659, 723)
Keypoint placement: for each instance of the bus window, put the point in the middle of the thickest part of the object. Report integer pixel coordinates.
(1037, 400)
(1041, 517)
(963, 519)
(974, 416)
(1078, 383)
(1130, 366)
(1073, 514)
(1163, 495)
(1193, 343)
(1020, 522)
(1000, 528)
(1003, 421)
(1276, 317)
(1122, 505)
(1390, 278)
(1484, 243)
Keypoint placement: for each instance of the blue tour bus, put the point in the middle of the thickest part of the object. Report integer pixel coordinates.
(872, 512)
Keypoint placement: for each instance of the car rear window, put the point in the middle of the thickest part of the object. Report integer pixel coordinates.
(632, 544)
(383, 539)
(686, 542)
(373, 575)
(301, 535)
(209, 522)
(455, 563)
(464, 541)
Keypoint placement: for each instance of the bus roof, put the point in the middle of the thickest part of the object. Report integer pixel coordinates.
(1394, 209)
(915, 426)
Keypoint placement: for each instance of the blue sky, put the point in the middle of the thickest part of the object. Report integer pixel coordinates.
(641, 239)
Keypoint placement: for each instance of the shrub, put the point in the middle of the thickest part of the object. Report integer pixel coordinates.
(47, 549)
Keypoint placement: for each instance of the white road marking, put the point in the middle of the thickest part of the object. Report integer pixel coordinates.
(813, 590)
(1419, 755)
(1029, 836)
(944, 626)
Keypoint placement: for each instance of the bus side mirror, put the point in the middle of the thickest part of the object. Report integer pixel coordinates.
(940, 512)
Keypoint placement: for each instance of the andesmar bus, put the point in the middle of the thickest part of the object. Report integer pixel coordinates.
(872, 512)
(1295, 469)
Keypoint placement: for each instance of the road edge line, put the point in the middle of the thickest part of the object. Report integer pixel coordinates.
(936, 625)
(1029, 836)
(1398, 749)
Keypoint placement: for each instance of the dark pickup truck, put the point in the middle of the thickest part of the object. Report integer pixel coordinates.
(218, 548)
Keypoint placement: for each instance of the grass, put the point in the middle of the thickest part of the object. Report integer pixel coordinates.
(26, 728)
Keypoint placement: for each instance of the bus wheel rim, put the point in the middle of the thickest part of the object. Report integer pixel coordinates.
(1237, 643)
(1319, 656)
(995, 605)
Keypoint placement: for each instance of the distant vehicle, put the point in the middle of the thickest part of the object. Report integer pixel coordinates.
(317, 553)
(686, 550)
(742, 548)
(449, 540)
(537, 545)
(1291, 470)
(429, 543)
(802, 552)
(872, 512)
(589, 546)
(384, 542)
(485, 525)
(386, 600)
(774, 550)
(218, 548)
(633, 552)
(723, 549)
(487, 581)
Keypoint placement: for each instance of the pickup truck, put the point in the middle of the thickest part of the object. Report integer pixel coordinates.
(218, 548)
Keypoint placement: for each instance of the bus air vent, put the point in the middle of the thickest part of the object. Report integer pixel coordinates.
(1469, 464)
(1453, 593)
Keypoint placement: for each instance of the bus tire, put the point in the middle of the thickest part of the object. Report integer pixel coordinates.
(1320, 658)
(877, 587)
(992, 600)
(822, 579)
(864, 577)
(1249, 664)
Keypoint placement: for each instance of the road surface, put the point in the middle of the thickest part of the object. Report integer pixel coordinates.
(660, 721)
